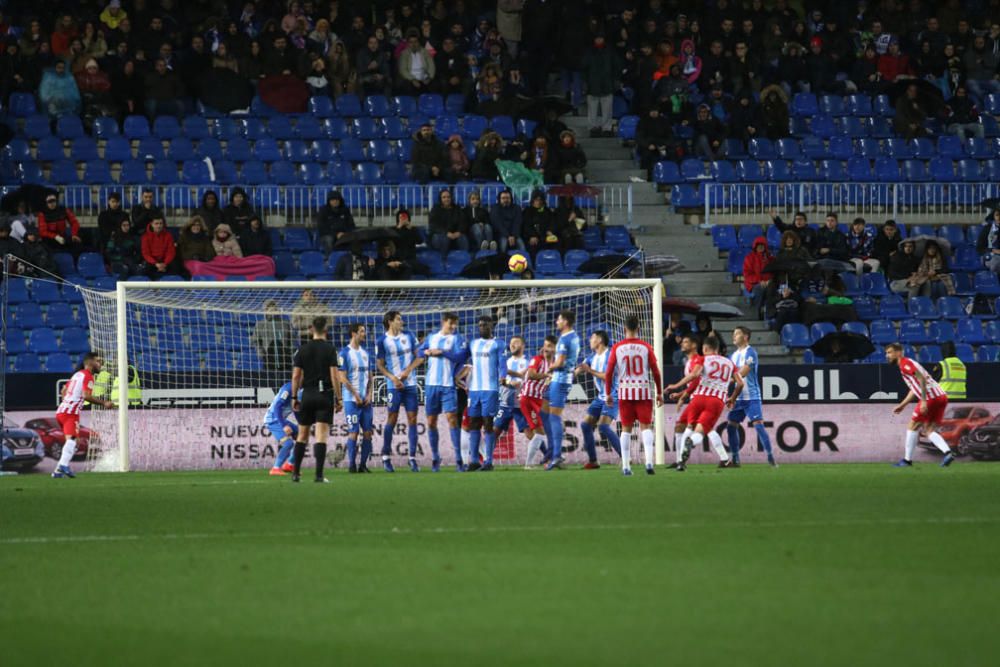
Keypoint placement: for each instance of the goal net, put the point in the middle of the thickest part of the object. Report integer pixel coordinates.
(205, 359)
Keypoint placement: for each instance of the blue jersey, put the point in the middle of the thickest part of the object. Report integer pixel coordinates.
(281, 406)
(510, 388)
(487, 359)
(751, 383)
(599, 363)
(441, 369)
(355, 365)
(569, 347)
(397, 353)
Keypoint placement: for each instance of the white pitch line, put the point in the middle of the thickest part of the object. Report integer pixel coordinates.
(451, 530)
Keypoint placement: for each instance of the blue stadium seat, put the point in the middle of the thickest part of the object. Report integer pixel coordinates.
(226, 129)
(166, 127)
(473, 127)
(929, 354)
(395, 172)
(83, 149)
(913, 332)
(853, 128)
(915, 171)
(455, 103)
(352, 150)
(406, 105)
(813, 148)
(283, 173)
(788, 149)
(97, 172)
(504, 126)
(45, 292)
(181, 149)
(978, 149)
(456, 261)
(749, 171)
(666, 173)
(724, 237)
(778, 171)
(859, 104)
(194, 172)
(91, 265)
(133, 172)
(135, 127)
(722, 172)
(874, 284)
(349, 106)
(866, 308)
(549, 262)
(74, 340)
(964, 352)
(970, 331)
(17, 290)
(880, 128)
(164, 172)
(804, 169)
(253, 129)
(15, 341)
(986, 283)
(312, 263)
(37, 126)
(892, 307)
(321, 106)
(795, 336)
(22, 105)
(822, 126)
(898, 148)
(833, 171)
(688, 196)
(43, 340)
(804, 105)
(27, 363)
(692, 169)
(28, 315)
(859, 170)
(284, 264)
(940, 331)
(280, 127)
(150, 149)
(311, 173)
(195, 128)
(969, 171)
(298, 151)
(254, 172)
(210, 148)
(379, 106)
(267, 150)
(852, 284)
(840, 148)
(942, 169)
(393, 128)
(887, 170)
(309, 128)
(859, 328)
(340, 172)
(69, 127)
(368, 173)
(951, 308)
(992, 329)
(821, 329)
(950, 146)
(238, 149)
(988, 354)
(50, 149)
(16, 150)
(922, 308)
(762, 149)
(430, 104)
(64, 173)
(367, 129)
(574, 258)
(882, 332)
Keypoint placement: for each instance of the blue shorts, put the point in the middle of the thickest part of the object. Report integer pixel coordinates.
(599, 408)
(506, 413)
(483, 403)
(557, 394)
(407, 397)
(358, 418)
(440, 399)
(277, 428)
(746, 409)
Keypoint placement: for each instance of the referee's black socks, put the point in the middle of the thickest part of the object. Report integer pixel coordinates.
(300, 453)
(319, 453)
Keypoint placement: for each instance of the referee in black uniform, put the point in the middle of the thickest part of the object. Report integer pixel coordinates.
(315, 373)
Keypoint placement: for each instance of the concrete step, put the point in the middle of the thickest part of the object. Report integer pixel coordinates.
(600, 143)
(609, 153)
(602, 174)
(610, 164)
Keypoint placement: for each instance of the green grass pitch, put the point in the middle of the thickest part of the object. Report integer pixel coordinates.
(805, 565)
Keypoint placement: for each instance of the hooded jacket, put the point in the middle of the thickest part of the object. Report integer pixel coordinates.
(211, 216)
(458, 160)
(158, 248)
(331, 221)
(123, 248)
(230, 247)
(806, 235)
(755, 263)
(255, 242)
(237, 216)
(191, 246)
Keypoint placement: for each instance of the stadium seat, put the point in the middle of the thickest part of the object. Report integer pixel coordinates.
(882, 332)
(312, 263)
(762, 149)
(456, 261)
(135, 127)
(549, 262)
(922, 308)
(91, 265)
(97, 172)
(352, 150)
(964, 352)
(866, 308)
(367, 129)
(27, 363)
(988, 354)
(164, 172)
(859, 328)
(45, 292)
(50, 149)
(915, 171)
(64, 173)
(887, 170)
(968, 170)
(951, 308)
(69, 127)
(504, 126)
(892, 307)
(874, 284)
(349, 106)
(913, 332)
(238, 149)
(987, 283)
(749, 171)
(74, 340)
(942, 169)
(978, 149)
(166, 128)
(969, 330)
(724, 237)
(722, 171)
(949, 146)
(28, 316)
(859, 169)
(15, 341)
(37, 126)
(368, 173)
(280, 127)
(266, 149)
(667, 173)
(795, 336)
(821, 329)
(195, 128)
(43, 340)
(83, 149)
(309, 128)
(211, 148)
(17, 291)
(431, 105)
(812, 147)
(378, 106)
(180, 149)
(992, 329)
(22, 105)
(940, 331)
(692, 169)
(804, 105)
(321, 106)
(283, 173)
(929, 354)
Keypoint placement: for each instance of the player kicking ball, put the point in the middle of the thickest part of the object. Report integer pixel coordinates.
(684, 428)
(748, 402)
(357, 386)
(79, 390)
(561, 372)
(634, 370)
(396, 358)
(709, 399)
(282, 429)
(599, 411)
(486, 366)
(930, 409)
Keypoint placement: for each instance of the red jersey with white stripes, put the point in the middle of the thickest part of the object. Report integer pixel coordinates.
(535, 388)
(716, 374)
(912, 372)
(633, 367)
(81, 383)
(692, 362)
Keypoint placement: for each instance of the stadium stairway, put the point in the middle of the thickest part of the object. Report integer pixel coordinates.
(661, 231)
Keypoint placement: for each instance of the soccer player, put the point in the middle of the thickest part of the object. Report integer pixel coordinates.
(631, 362)
(488, 365)
(510, 386)
(79, 390)
(536, 378)
(314, 371)
(691, 347)
(357, 384)
(930, 409)
(282, 429)
(396, 358)
(709, 399)
(599, 412)
(748, 402)
(444, 351)
(561, 372)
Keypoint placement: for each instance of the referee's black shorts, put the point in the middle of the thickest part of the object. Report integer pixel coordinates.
(317, 407)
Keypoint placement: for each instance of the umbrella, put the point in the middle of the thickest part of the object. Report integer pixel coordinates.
(224, 90)
(484, 267)
(920, 244)
(33, 194)
(720, 310)
(535, 109)
(606, 264)
(787, 265)
(674, 304)
(662, 265)
(928, 95)
(990, 204)
(843, 346)
(574, 190)
(366, 235)
(833, 265)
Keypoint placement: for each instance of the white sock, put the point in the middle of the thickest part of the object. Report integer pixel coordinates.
(912, 437)
(716, 441)
(533, 446)
(697, 439)
(68, 450)
(626, 450)
(647, 445)
(678, 446)
(939, 442)
(466, 451)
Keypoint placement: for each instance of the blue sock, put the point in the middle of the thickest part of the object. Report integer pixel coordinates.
(547, 427)
(456, 443)
(588, 441)
(764, 439)
(733, 433)
(608, 431)
(556, 424)
(433, 436)
(491, 441)
(474, 438)
(284, 452)
(411, 435)
(387, 439)
(352, 452)
(366, 451)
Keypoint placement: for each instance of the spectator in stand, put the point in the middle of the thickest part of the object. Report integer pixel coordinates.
(210, 212)
(447, 225)
(280, 60)
(429, 157)
(128, 90)
(58, 92)
(654, 139)
(981, 68)
(354, 265)
(94, 86)
(709, 135)
(477, 221)
(886, 244)
(407, 238)
(273, 338)
(458, 161)
(746, 120)
(452, 70)
(963, 117)
(784, 306)
(109, 220)
(225, 242)
(756, 279)
(602, 68)
(158, 250)
(570, 222)
(8, 246)
(333, 220)
(792, 71)
(570, 158)
(35, 252)
(932, 276)
(223, 58)
(865, 73)
(303, 312)
(389, 265)
(830, 241)
(505, 217)
(416, 69)
(64, 34)
(372, 65)
(774, 109)
(489, 149)
(341, 73)
(58, 227)
(910, 115)
(861, 247)
(195, 242)
(703, 325)
(163, 92)
(743, 70)
(538, 225)
(255, 239)
(903, 267)
(113, 15)
(238, 213)
(145, 212)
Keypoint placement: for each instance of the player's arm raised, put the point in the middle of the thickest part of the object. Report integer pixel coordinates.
(684, 381)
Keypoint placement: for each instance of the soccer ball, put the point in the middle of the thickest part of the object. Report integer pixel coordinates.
(517, 263)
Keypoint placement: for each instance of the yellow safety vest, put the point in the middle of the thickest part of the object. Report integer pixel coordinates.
(101, 388)
(953, 378)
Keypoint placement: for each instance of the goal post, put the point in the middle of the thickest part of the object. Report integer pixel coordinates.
(208, 357)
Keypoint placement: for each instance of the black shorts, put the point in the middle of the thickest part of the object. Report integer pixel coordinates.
(316, 408)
